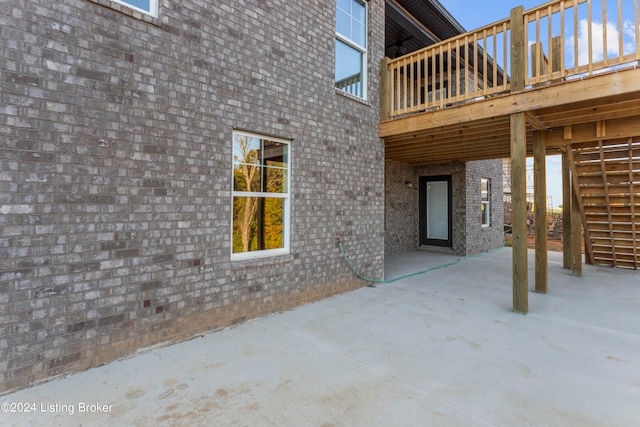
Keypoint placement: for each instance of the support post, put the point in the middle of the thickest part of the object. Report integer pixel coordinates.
(576, 235)
(566, 210)
(519, 167)
(519, 213)
(540, 208)
(385, 90)
(518, 50)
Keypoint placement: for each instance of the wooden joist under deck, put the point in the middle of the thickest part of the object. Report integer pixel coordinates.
(477, 140)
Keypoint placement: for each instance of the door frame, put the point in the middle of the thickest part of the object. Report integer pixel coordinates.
(422, 217)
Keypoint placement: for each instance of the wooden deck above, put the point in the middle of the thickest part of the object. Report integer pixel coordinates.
(601, 107)
(452, 100)
(546, 81)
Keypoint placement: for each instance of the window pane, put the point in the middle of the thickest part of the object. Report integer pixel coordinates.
(275, 153)
(343, 24)
(273, 223)
(348, 69)
(246, 177)
(141, 4)
(358, 33)
(246, 149)
(275, 180)
(244, 223)
(246, 163)
(484, 188)
(345, 5)
(275, 174)
(485, 213)
(258, 223)
(485, 209)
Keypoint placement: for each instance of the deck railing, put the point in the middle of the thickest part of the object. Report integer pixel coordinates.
(561, 40)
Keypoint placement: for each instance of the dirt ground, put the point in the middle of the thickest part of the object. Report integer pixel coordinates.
(552, 244)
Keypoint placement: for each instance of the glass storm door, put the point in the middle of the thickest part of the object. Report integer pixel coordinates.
(435, 211)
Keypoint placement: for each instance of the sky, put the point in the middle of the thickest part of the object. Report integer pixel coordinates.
(476, 14)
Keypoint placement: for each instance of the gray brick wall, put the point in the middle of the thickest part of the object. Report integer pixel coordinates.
(115, 179)
(480, 239)
(401, 212)
(468, 235)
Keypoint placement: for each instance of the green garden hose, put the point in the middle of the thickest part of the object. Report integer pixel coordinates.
(346, 258)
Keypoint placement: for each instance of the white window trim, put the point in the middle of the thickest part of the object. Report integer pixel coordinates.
(487, 202)
(153, 7)
(361, 49)
(266, 253)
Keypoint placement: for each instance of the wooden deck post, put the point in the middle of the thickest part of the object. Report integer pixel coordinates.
(518, 50)
(385, 90)
(540, 208)
(519, 213)
(518, 167)
(576, 235)
(566, 210)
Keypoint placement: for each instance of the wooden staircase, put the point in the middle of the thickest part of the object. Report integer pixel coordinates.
(607, 176)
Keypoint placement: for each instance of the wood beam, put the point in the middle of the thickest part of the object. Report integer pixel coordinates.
(535, 121)
(540, 211)
(566, 210)
(588, 132)
(601, 129)
(576, 236)
(460, 129)
(519, 213)
(562, 116)
(575, 185)
(578, 214)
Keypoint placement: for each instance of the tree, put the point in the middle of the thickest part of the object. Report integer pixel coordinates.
(246, 171)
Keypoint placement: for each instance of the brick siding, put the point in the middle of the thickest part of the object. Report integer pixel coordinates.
(115, 178)
(468, 235)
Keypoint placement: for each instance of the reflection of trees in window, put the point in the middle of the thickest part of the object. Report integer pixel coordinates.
(244, 208)
(260, 169)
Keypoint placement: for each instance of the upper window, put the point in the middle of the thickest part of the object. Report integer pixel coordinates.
(351, 46)
(146, 6)
(485, 207)
(260, 196)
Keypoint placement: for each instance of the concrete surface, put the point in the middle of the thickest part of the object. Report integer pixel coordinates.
(440, 349)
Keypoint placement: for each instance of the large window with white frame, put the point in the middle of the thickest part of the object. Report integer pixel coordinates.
(149, 7)
(351, 47)
(261, 195)
(485, 207)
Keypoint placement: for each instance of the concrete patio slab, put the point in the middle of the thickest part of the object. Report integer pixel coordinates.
(441, 349)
